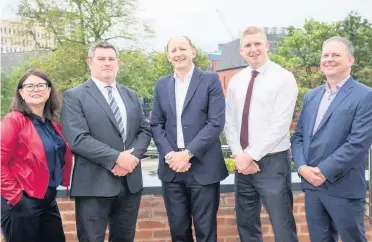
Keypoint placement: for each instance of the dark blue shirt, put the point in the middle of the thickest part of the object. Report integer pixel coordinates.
(55, 149)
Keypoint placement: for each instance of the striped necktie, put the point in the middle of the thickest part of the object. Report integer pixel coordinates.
(115, 109)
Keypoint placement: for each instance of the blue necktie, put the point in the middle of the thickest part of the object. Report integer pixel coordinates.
(115, 109)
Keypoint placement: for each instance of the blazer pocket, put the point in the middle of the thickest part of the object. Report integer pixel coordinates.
(343, 111)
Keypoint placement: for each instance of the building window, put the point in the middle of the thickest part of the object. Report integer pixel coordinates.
(6, 50)
(1, 29)
(1, 49)
(4, 29)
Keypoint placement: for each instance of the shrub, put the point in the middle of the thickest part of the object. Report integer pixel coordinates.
(230, 164)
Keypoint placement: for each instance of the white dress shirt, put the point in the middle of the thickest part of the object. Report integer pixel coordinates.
(181, 91)
(271, 110)
(119, 101)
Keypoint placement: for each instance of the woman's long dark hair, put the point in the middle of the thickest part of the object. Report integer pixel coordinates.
(52, 105)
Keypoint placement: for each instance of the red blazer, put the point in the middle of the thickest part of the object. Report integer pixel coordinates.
(23, 162)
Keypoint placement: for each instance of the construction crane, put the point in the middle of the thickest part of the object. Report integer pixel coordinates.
(225, 25)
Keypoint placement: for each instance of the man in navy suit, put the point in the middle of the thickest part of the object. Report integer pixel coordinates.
(188, 115)
(330, 148)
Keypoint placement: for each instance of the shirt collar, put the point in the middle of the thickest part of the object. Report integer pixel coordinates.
(36, 119)
(261, 69)
(338, 85)
(101, 85)
(188, 75)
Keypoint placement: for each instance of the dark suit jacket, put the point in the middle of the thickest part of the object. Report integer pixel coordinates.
(90, 128)
(203, 119)
(340, 145)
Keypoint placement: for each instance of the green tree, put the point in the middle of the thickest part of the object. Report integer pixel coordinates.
(83, 21)
(8, 87)
(75, 24)
(359, 32)
(300, 50)
(137, 72)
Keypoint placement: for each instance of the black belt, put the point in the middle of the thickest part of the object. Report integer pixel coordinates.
(270, 154)
(276, 153)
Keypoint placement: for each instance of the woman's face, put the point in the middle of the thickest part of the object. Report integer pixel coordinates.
(35, 91)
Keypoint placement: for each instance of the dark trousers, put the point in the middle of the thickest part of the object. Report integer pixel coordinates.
(32, 219)
(93, 214)
(272, 186)
(328, 216)
(186, 201)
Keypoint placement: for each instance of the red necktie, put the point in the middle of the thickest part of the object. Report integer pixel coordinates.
(244, 142)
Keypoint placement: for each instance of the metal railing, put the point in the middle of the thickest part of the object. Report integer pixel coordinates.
(152, 151)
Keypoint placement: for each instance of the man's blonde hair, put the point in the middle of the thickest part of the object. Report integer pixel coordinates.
(252, 30)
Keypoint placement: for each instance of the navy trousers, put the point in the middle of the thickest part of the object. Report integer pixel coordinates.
(328, 216)
(272, 187)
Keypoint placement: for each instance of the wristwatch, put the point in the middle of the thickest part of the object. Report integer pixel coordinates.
(190, 154)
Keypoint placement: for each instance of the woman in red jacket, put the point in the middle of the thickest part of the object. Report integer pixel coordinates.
(35, 160)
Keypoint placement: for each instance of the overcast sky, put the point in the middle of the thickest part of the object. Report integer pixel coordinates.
(210, 22)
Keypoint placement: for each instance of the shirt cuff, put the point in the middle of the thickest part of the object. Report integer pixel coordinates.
(236, 150)
(298, 170)
(252, 154)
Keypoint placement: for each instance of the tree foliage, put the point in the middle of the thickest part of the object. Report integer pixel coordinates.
(84, 21)
(300, 50)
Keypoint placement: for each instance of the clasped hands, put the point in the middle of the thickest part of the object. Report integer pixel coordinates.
(178, 161)
(125, 163)
(245, 164)
(313, 175)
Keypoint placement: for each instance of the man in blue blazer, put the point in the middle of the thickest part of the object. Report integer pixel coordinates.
(330, 147)
(188, 115)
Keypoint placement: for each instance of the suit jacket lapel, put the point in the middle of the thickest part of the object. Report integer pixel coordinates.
(33, 141)
(172, 93)
(341, 95)
(316, 102)
(93, 90)
(194, 83)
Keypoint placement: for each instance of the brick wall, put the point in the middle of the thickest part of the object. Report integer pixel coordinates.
(152, 222)
(225, 77)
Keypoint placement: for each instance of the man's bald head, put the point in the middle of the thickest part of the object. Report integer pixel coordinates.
(180, 38)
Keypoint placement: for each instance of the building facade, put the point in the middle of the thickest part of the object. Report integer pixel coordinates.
(16, 37)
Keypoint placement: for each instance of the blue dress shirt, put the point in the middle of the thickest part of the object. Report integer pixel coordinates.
(55, 149)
